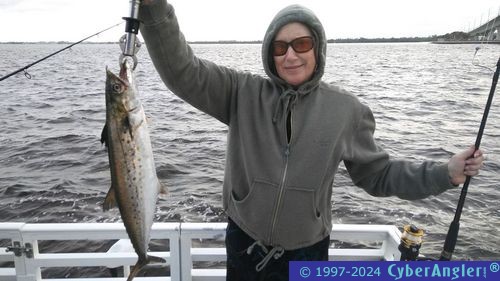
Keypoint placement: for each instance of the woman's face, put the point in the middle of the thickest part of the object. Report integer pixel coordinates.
(294, 67)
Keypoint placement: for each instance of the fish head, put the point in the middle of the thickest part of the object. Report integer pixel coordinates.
(115, 86)
(120, 90)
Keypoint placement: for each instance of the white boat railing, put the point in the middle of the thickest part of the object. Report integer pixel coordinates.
(195, 251)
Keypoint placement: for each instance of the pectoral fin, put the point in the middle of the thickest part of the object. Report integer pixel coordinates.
(110, 200)
(162, 188)
(104, 135)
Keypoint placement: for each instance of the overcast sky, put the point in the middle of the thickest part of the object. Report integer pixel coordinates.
(72, 20)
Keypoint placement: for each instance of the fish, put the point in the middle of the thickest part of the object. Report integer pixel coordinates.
(134, 183)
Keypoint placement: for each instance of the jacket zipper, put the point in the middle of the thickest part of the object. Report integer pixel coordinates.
(282, 183)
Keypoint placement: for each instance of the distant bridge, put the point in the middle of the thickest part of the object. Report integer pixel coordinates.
(489, 31)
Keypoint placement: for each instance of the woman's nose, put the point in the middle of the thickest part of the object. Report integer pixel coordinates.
(290, 53)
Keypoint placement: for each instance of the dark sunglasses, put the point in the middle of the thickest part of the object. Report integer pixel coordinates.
(299, 45)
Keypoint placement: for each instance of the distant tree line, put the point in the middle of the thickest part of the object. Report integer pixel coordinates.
(456, 36)
(384, 40)
(453, 36)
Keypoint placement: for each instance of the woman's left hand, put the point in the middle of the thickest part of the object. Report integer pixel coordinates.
(465, 163)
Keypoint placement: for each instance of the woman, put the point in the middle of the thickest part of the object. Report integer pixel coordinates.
(288, 132)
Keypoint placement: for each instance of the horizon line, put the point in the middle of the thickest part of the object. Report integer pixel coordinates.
(233, 41)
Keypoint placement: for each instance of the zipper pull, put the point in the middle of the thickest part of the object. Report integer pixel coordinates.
(287, 150)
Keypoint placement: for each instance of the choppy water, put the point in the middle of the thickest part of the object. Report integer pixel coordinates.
(428, 101)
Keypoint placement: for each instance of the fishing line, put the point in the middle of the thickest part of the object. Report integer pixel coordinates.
(24, 69)
(486, 29)
(483, 39)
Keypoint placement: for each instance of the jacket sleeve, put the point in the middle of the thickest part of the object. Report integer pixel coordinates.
(201, 83)
(371, 168)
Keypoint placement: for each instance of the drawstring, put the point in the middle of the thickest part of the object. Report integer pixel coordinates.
(276, 253)
(290, 98)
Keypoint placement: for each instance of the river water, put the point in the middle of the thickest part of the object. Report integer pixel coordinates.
(428, 101)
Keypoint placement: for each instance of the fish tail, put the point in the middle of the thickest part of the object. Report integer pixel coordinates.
(153, 259)
(141, 263)
(137, 268)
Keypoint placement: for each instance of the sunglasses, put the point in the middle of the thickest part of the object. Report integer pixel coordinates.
(299, 45)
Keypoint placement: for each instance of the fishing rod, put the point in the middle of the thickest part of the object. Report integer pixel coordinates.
(451, 237)
(53, 54)
(411, 239)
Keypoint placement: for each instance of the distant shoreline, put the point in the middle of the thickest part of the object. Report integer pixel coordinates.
(430, 39)
(360, 40)
(467, 42)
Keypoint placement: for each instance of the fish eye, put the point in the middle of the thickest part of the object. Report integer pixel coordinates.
(117, 88)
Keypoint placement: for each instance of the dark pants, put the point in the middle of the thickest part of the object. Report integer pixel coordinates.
(241, 266)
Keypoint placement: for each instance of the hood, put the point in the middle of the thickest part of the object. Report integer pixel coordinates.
(295, 13)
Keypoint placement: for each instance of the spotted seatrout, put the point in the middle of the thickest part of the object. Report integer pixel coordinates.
(134, 184)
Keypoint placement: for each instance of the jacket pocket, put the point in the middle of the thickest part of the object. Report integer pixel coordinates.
(255, 209)
(300, 222)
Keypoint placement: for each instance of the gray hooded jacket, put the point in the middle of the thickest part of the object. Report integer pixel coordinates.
(278, 190)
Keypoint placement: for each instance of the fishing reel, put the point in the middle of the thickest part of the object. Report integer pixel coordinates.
(411, 241)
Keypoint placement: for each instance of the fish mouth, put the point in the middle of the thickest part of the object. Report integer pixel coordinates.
(124, 70)
(122, 77)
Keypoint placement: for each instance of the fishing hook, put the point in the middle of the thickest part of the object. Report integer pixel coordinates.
(26, 74)
(477, 63)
